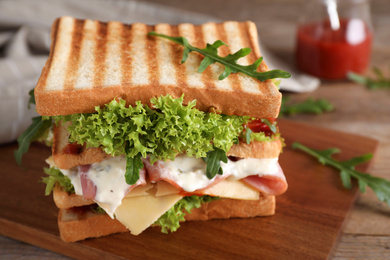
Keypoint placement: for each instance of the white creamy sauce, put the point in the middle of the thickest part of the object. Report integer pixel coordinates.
(250, 166)
(190, 173)
(74, 176)
(109, 178)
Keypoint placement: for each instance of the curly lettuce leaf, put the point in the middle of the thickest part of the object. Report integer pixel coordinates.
(54, 175)
(171, 219)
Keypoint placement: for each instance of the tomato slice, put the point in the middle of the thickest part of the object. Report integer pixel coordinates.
(72, 148)
(257, 126)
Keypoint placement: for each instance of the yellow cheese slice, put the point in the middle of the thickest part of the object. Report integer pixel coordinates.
(138, 213)
(164, 188)
(233, 189)
(140, 190)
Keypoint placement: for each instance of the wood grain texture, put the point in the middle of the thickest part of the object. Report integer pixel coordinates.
(307, 223)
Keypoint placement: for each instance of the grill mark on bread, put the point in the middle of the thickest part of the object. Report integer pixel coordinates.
(74, 55)
(225, 50)
(126, 57)
(152, 65)
(45, 72)
(180, 72)
(100, 54)
(245, 34)
(201, 43)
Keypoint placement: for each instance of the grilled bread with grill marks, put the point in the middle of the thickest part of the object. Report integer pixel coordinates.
(92, 62)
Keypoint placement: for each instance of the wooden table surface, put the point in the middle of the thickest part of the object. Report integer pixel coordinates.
(366, 234)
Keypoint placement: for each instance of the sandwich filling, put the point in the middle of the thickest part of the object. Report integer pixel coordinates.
(104, 182)
(170, 150)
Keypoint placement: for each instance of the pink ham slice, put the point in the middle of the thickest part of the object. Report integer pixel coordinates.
(88, 187)
(269, 184)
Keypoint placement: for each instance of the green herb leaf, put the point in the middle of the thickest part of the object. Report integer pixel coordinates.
(32, 133)
(347, 171)
(213, 161)
(170, 220)
(248, 133)
(32, 98)
(55, 176)
(309, 106)
(230, 61)
(133, 166)
(380, 82)
(271, 126)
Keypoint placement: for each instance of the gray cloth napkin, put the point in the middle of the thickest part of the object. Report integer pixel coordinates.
(25, 43)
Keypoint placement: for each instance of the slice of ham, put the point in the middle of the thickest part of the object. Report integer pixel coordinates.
(88, 187)
(269, 184)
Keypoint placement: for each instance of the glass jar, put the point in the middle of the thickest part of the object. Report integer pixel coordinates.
(334, 37)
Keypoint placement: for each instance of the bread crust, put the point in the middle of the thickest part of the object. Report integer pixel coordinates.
(65, 160)
(238, 94)
(80, 223)
(231, 208)
(66, 200)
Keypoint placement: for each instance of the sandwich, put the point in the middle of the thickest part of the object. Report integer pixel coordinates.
(155, 125)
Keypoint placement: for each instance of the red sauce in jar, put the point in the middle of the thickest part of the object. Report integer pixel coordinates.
(331, 54)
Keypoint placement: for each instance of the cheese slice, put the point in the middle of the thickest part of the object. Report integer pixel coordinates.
(138, 213)
(164, 188)
(140, 190)
(233, 189)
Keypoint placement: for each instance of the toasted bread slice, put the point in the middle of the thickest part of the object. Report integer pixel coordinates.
(65, 200)
(92, 63)
(81, 223)
(65, 160)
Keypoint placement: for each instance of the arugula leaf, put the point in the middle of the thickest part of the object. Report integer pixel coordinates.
(32, 98)
(372, 83)
(32, 133)
(347, 171)
(248, 133)
(308, 106)
(133, 166)
(271, 126)
(170, 220)
(213, 161)
(210, 53)
(54, 176)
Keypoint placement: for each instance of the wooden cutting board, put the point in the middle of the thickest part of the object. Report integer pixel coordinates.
(308, 220)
